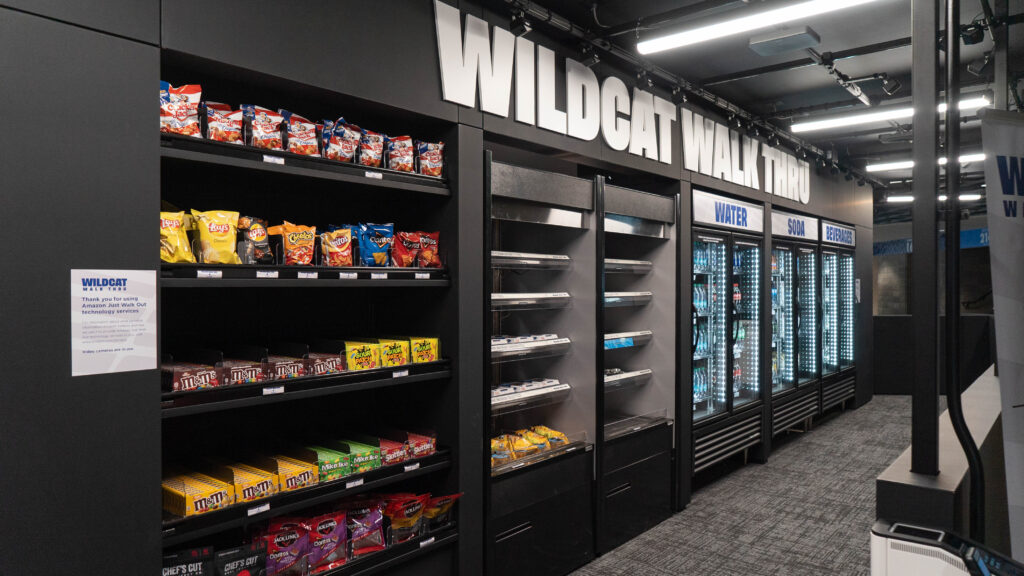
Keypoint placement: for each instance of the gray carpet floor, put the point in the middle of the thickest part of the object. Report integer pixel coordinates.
(807, 511)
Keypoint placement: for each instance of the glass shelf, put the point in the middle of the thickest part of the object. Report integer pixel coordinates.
(529, 300)
(528, 261)
(577, 441)
(627, 380)
(528, 350)
(620, 299)
(619, 425)
(621, 266)
(627, 339)
(529, 399)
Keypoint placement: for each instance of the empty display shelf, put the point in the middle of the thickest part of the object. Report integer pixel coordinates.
(529, 300)
(627, 380)
(618, 425)
(619, 299)
(526, 350)
(627, 339)
(529, 261)
(529, 399)
(621, 266)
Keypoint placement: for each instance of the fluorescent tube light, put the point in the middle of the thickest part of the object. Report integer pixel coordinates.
(879, 116)
(900, 199)
(743, 24)
(904, 164)
(942, 197)
(969, 197)
(967, 104)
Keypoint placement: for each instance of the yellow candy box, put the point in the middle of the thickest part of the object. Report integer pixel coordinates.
(362, 355)
(425, 349)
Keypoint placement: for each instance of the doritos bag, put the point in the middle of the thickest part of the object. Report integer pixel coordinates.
(266, 127)
(254, 230)
(336, 246)
(371, 149)
(298, 242)
(174, 246)
(223, 124)
(405, 249)
(342, 142)
(375, 244)
(179, 109)
(429, 256)
(301, 134)
(431, 157)
(400, 153)
(217, 232)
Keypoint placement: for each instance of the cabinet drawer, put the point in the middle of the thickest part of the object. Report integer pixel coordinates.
(635, 499)
(639, 446)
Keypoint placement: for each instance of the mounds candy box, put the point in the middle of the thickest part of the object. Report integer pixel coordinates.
(322, 363)
(283, 367)
(424, 349)
(184, 495)
(362, 355)
(363, 457)
(250, 483)
(241, 372)
(331, 464)
(195, 562)
(391, 451)
(184, 376)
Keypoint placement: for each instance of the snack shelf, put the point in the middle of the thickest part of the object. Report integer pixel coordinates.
(576, 442)
(528, 350)
(621, 266)
(627, 339)
(627, 380)
(204, 151)
(529, 399)
(529, 300)
(177, 530)
(622, 299)
(529, 261)
(619, 425)
(250, 275)
(176, 404)
(398, 554)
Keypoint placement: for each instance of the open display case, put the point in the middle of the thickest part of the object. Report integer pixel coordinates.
(542, 369)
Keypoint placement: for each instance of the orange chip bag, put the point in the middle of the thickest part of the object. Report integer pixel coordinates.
(428, 256)
(336, 246)
(173, 239)
(217, 232)
(298, 242)
(404, 249)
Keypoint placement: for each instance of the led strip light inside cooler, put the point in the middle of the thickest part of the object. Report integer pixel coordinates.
(718, 384)
(808, 326)
(829, 294)
(846, 338)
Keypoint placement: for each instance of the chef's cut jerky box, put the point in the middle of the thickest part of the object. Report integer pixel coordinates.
(195, 562)
(248, 560)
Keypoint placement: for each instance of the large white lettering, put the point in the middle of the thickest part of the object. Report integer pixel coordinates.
(614, 101)
(643, 138)
(582, 101)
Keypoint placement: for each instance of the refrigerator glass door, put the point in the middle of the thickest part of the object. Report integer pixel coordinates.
(829, 313)
(807, 315)
(710, 275)
(846, 315)
(783, 320)
(744, 297)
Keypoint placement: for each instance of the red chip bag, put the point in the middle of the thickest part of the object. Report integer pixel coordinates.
(301, 134)
(371, 149)
(223, 124)
(179, 109)
(343, 141)
(405, 249)
(431, 157)
(266, 127)
(336, 246)
(400, 153)
(328, 541)
(428, 256)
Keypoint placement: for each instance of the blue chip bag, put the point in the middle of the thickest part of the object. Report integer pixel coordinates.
(375, 244)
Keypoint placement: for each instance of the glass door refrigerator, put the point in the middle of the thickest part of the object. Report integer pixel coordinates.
(726, 339)
(838, 317)
(793, 347)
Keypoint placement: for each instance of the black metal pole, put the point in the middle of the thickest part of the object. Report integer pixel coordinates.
(956, 412)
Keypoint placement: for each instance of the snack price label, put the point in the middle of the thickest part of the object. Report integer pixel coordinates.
(266, 273)
(209, 273)
(423, 275)
(273, 159)
(427, 542)
(399, 373)
(258, 509)
(271, 390)
(378, 275)
(348, 275)
(411, 467)
(374, 175)
(353, 483)
(309, 275)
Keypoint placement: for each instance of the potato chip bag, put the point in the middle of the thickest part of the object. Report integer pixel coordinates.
(298, 242)
(428, 256)
(371, 149)
(336, 246)
(179, 109)
(400, 153)
(405, 249)
(521, 447)
(223, 124)
(174, 246)
(217, 233)
(431, 157)
(301, 134)
(555, 438)
(341, 140)
(266, 127)
(254, 230)
(375, 244)
(541, 442)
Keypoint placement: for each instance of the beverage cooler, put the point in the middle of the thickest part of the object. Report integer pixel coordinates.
(794, 301)
(727, 379)
(838, 320)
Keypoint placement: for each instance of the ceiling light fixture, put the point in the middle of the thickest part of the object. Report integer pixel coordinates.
(969, 197)
(743, 24)
(904, 164)
(899, 199)
(880, 116)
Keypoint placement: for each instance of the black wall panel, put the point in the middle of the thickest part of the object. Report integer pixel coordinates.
(80, 165)
(137, 19)
(865, 334)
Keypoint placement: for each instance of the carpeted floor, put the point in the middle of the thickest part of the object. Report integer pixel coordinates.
(805, 512)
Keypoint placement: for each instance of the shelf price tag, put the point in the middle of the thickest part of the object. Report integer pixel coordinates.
(374, 175)
(411, 467)
(273, 159)
(348, 276)
(427, 542)
(271, 390)
(265, 507)
(309, 275)
(378, 275)
(209, 273)
(423, 275)
(266, 274)
(353, 483)
(400, 373)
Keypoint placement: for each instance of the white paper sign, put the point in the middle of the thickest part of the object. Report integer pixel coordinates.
(722, 211)
(838, 234)
(794, 226)
(113, 321)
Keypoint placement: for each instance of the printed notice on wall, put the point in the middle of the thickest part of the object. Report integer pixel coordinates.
(113, 321)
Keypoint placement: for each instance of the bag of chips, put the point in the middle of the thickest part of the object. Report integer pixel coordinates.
(431, 157)
(223, 124)
(365, 519)
(555, 438)
(501, 452)
(328, 541)
(539, 442)
(301, 134)
(405, 249)
(336, 246)
(438, 510)
(298, 242)
(174, 245)
(287, 549)
(249, 560)
(521, 447)
(405, 512)
(375, 244)
(266, 127)
(217, 233)
(371, 149)
(342, 141)
(400, 153)
(254, 230)
(179, 109)
(428, 256)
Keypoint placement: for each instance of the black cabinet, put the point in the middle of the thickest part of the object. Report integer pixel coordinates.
(135, 19)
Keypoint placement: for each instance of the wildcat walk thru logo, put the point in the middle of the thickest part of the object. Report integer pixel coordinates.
(105, 284)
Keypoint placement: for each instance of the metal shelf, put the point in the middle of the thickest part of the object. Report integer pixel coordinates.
(619, 425)
(176, 404)
(539, 457)
(392, 556)
(529, 350)
(259, 276)
(529, 300)
(529, 399)
(627, 339)
(621, 299)
(177, 530)
(529, 261)
(627, 380)
(621, 266)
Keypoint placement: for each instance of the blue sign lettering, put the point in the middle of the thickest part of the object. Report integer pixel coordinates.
(100, 284)
(730, 214)
(1011, 175)
(796, 227)
(838, 235)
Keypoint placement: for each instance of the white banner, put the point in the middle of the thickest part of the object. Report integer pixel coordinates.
(794, 226)
(1003, 141)
(722, 211)
(838, 234)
